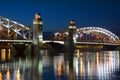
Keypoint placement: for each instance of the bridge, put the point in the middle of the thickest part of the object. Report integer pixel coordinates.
(90, 35)
(87, 37)
(14, 32)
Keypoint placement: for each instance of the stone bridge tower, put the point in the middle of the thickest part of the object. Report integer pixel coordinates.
(71, 39)
(72, 32)
(37, 30)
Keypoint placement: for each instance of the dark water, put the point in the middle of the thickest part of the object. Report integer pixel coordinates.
(101, 65)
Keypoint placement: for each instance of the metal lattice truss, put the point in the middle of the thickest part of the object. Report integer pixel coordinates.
(92, 31)
(13, 30)
(99, 30)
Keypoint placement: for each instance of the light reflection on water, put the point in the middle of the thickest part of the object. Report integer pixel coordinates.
(101, 65)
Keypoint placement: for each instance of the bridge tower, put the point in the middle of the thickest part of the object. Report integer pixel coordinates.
(72, 32)
(37, 30)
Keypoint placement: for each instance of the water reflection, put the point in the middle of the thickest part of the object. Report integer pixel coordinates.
(8, 74)
(5, 54)
(74, 65)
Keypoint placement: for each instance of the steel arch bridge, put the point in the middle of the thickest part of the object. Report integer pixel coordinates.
(11, 30)
(90, 34)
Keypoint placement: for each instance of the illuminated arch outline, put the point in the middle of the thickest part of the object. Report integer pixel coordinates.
(101, 30)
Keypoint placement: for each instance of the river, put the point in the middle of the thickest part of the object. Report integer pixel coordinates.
(80, 65)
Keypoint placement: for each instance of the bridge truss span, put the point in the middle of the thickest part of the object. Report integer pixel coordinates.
(90, 34)
(100, 33)
(13, 30)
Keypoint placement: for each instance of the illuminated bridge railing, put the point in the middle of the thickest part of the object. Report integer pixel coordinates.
(13, 41)
(47, 41)
(81, 43)
(95, 43)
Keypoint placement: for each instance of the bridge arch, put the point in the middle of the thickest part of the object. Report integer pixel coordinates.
(99, 30)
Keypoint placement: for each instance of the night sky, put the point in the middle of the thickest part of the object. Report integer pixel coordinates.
(56, 14)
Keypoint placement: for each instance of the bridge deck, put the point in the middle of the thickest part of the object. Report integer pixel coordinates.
(60, 42)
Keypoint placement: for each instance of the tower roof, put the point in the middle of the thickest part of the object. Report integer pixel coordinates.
(37, 16)
(72, 24)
